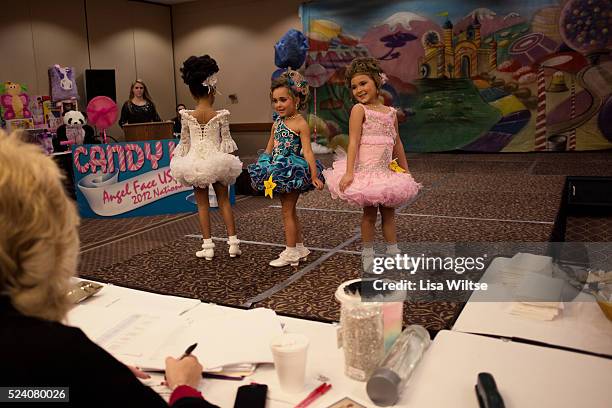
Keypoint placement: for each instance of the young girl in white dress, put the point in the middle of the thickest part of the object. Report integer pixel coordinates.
(202, 157)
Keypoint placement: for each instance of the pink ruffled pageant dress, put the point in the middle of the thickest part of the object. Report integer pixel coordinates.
(374, 183)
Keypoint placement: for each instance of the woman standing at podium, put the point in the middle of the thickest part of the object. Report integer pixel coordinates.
(139, 108)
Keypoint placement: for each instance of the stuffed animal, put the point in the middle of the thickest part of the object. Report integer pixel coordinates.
(63, 85)
(74, 130)
(14, 101)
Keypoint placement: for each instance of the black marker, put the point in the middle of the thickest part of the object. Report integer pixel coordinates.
(188, 351)
(487, 393)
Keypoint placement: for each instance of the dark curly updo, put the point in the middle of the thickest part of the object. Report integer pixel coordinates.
(364, 66)
(196, 70)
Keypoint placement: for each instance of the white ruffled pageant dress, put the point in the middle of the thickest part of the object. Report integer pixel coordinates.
(202, 156)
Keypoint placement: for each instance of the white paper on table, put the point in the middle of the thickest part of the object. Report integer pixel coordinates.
(120, 298)
(535, 311)
(582, 325)
(533, 263)
(223, 340)
(128, 336)
(535, 287)
(93, 320)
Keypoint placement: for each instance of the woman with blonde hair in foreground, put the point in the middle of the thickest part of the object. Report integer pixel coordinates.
(38, 256)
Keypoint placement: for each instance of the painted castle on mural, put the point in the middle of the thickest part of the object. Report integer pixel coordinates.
(463, 56)
(518, 76)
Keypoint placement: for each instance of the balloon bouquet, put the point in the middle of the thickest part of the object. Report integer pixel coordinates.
(290, 52)
(102, 113)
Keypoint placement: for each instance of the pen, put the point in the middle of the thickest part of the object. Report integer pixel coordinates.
(316, 393)
(188, 351)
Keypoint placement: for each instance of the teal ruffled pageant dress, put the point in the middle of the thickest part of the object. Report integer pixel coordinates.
(289, 170)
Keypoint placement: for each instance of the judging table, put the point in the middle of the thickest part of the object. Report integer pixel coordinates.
(526, 374)
(581, 324)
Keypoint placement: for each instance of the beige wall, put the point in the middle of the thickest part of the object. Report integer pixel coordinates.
(133, 38)
(37, 34)
(240, 35)
(136, 40)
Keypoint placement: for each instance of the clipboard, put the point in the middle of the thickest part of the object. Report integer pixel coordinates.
(83, 290)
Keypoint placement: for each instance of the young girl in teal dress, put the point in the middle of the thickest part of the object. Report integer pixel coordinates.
(281, 169)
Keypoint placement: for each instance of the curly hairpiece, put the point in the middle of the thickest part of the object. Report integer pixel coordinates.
(365, 66)
(199, 74)
(297, 85)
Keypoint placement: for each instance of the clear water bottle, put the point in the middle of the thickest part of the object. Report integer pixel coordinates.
(388, 380)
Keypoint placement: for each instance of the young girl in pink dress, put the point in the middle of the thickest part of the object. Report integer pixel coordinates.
(369, 175)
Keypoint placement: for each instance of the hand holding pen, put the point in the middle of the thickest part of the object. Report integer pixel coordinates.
(188, 351)
(184, 371)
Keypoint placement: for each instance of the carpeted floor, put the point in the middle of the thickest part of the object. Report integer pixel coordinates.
(466, 197)
(589, 229)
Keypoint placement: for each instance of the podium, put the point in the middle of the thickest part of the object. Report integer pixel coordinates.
(148, 131)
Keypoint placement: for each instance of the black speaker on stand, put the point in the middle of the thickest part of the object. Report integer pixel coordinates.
(100, 82)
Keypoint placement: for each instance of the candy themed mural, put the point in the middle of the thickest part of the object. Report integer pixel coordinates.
(512, 76)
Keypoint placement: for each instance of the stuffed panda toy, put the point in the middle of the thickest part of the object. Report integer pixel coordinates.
(74, 130)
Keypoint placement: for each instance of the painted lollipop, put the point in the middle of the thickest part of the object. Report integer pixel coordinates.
(102, 113)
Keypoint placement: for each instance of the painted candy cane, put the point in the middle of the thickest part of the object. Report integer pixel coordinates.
(154, 158)
(540, 133)
(129, 148)
(115, 148)
(97, 158)
(81, 168)
(572, 134)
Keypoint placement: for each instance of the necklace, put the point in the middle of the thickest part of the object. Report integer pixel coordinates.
(295, 115)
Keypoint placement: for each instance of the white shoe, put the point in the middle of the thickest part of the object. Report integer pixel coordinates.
(290, 256)
(367, 262)
(367, 259)
(303, 251)
(207, 251)
(393, 250)
(234, 246)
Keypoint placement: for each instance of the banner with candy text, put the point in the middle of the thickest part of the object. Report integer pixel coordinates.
(129, 180)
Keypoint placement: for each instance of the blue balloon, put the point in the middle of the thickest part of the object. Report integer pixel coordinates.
(290, 51)
(277, 73)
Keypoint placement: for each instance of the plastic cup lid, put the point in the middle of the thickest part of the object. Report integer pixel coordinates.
(289, 342)
(348, 292)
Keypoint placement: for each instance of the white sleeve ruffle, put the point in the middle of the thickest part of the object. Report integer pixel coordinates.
(228, 144)
(185, 143)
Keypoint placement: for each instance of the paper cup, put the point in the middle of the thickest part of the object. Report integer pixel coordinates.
(289, 352)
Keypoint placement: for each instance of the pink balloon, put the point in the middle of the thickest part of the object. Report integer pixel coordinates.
(102, 112)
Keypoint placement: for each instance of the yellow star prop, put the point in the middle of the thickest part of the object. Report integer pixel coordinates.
(269, 185)
(396, 167)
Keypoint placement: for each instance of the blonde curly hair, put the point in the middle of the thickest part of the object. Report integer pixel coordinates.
(39, 240)
(364, 66)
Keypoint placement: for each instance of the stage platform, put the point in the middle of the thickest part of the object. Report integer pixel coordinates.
(466, 197)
